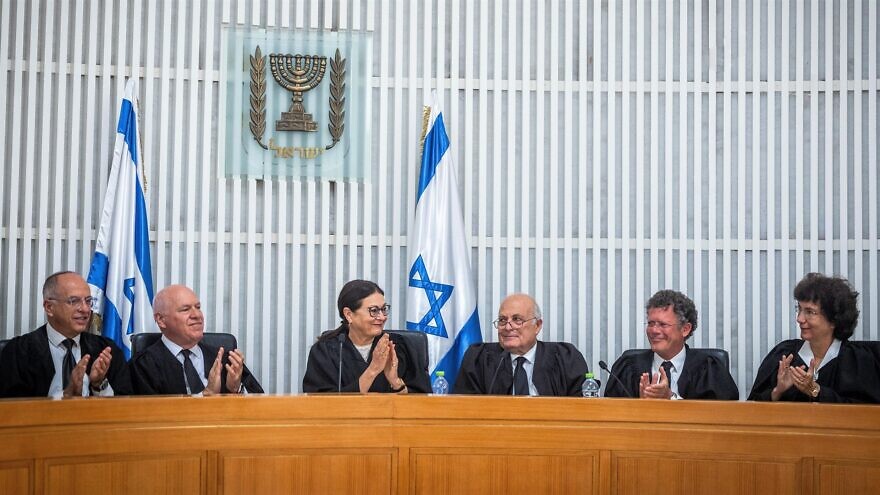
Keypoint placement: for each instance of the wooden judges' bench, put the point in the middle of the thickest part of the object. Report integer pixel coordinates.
(445, 445)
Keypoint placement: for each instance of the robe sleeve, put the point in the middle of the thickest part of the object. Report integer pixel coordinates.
(468, 380)
(322, 370)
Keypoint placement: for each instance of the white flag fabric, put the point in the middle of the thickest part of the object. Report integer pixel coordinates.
(441, 296)
(120, 276)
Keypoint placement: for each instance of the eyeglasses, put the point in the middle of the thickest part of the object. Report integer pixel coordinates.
(375, 310)
(658, 324)
(515, 322)
(75, 302)
(809, 313)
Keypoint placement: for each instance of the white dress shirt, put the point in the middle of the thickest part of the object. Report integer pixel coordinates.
(57, 350)
(677, 366)
(196, 357)
(528, 366)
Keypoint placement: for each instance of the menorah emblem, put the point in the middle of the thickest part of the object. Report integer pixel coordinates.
(297, 74)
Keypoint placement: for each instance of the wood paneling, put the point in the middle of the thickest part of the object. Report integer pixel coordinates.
(510, 472)
(319, 471)
(847, 477)
(129, 474)
(662, 472)
(15, 477)
(422, 445)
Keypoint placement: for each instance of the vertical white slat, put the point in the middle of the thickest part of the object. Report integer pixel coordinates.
(90, 161)
(638, 159)
(58, 234)
(540, 162)
(13, 297)
(222, 239)
(627, 239)
(270, 331)
(683, 162)
(611, 221)
(73, 200)
(597, 329)
(235, 234)
(582, 320)
(300, 14)
(110, 97)
(5, 58)
(828, 159)
(514, 180)
(799, 175)
(843, 153)
(43, 150)
(271, 11)
(482, 182)
(669, 136)
(713, 245)
(650, 275)
(858, 149)
(568, 165)
(525, 245)
(207, 184)
(741, 328)
(177, 154)
(697, 136)
(871, 324)
(725, 230)
(371, 24)
(161, 163)
(815, 193)
(784, 224)
(553, 213)
(27, 162)
(497, 161)
(285, 14)
(192, 124)
(757, 321)
(773, 237)
(251, 264)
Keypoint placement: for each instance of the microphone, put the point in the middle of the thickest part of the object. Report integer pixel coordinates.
(341, 339)
(604, 366)
(495, 375)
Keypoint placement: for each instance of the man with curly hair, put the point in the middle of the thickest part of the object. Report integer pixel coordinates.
(823, 365)
(671, 369)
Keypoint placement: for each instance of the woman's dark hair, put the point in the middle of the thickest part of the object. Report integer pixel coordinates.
(836, 299)
(351, 296)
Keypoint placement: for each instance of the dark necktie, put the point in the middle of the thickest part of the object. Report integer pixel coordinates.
(192, 376)
(520, 380)
(67, 363)
(667, 365)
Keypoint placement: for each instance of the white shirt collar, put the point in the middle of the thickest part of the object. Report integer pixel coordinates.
(806, 353)
(56, 338)
(529, 355)
(677, 360)
(175, 349)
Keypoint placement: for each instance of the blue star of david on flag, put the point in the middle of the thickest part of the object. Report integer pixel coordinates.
(437, 294)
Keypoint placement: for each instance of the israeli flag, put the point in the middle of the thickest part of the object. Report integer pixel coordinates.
(120, 277)
(441, 296)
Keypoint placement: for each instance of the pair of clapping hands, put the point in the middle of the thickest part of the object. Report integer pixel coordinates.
(385, 361)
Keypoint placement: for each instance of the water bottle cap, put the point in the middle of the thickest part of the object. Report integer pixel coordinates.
(588, 375)
(440, 373)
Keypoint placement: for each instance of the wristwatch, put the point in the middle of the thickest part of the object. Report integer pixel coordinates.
(814, 392)
(100, 387)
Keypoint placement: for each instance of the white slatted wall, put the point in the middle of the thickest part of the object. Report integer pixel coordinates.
(606, 150)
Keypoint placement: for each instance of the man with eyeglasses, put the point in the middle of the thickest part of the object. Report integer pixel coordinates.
(61, 359)
(520, 364)
(671, 369)
(180, 363)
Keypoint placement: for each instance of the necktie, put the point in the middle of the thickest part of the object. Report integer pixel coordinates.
(667, 365)
(520, 380)
(67, 363)
(192, 376)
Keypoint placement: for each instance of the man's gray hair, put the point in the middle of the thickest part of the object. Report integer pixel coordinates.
(50, 286)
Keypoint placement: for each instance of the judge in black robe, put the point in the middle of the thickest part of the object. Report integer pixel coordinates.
(823, 365)
(703, 376)
(26, 368)
(487, 369)
(155, 371)
(852, 376)
(322, 369)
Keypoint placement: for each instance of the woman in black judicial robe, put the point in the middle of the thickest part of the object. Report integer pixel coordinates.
(372, 360)
(823, 365)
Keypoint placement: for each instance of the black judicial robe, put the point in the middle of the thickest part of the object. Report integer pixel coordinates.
(26, 368)
(704, 376)
(487, 369)
(853, 376)
(322, 369)
(156, 371)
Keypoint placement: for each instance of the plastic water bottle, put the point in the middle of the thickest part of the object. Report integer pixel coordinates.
(590, 387)
(440, 386)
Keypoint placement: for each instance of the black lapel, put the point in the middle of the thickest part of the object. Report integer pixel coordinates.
(543, 369)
